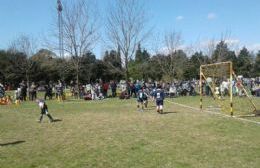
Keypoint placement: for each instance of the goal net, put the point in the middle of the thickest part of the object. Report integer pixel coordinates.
(222, 91)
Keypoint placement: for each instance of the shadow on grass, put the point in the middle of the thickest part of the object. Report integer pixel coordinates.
(249, 116)
(11, 143)
(168, 112)
(150, 109)
(256, 114)
(57, 120)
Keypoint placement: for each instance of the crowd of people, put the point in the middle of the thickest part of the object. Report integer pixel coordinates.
(240, 86)
(129, 89)
(141, 90)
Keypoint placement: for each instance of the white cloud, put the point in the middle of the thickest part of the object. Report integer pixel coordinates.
(215, 42)
(232, 41)
(211, 16)
(254, 47)
(179, 18)
(166, 50)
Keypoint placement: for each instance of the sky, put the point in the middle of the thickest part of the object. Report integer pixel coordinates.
(198, 20)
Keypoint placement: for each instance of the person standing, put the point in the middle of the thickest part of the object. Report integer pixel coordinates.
(159, 96)
(113, 88)
(23, 91)
(48, 92)
(2, 90)
(44, 110)
(33, 92)
(142, 99)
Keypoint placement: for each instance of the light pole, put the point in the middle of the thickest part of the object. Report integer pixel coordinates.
(60, 25)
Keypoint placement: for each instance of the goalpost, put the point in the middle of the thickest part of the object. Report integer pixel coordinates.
(220, 82)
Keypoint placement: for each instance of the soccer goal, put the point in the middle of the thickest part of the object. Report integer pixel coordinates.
(221, 90)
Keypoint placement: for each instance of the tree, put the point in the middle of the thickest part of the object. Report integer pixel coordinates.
(4, 63)
(27, 46)
(155, 71)
(244, 63)
(80, 31)
(48, 66)
(113, 62)
(141, 56)
(174, 57)
(257, 65)
(88, 64)
(126, 28)
(222, 53)
(139, 67)
(193, 65)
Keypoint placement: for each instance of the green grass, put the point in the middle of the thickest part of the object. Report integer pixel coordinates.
(112, 133)
(241, 105)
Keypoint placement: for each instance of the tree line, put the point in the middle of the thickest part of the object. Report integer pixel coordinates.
(45, 66)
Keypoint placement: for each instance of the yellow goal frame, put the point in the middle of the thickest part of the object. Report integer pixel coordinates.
(228, 70)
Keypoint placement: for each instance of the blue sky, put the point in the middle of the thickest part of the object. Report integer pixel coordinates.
(197, 20)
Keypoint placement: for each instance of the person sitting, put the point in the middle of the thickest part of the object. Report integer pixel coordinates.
(87, 96)
(124, 95)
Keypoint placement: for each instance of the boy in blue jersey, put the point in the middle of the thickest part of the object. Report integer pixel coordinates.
(142, 99)
(159, 97)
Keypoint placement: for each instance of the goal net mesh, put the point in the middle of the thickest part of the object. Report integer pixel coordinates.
(223, 91)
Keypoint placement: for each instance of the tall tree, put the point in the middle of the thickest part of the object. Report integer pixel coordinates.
(28, 46)
(193, 65)
(4, 63)
(139, 67)
(113, 62)
(244, 63)
(126, 28)
(88, 64)
(169, 62)
(47, 64)
(221, 52)
(257, 65)
(80, 31)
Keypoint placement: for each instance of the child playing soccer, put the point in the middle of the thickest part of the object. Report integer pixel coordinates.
(44, 110)
(142, 99)
(159, 97)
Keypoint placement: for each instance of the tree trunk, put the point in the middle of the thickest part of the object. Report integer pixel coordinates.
(126, 68)
(28, 85)
(77, 71)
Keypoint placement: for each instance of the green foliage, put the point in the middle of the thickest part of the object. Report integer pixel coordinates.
(45, 66)
(257, 65)
(222, 53)
(141, 66)
(113, 63)
(245, 63)
(193, 65)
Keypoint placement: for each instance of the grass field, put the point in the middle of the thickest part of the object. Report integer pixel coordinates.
(112, 133)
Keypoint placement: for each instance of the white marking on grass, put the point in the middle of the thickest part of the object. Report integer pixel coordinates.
(211, 112)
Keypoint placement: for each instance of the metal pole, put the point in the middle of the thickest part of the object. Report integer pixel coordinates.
(200, 88)
(231, 88)
(60, 25)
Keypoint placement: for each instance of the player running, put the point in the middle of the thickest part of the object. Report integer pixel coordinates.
(142, 99)
(159, 97)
